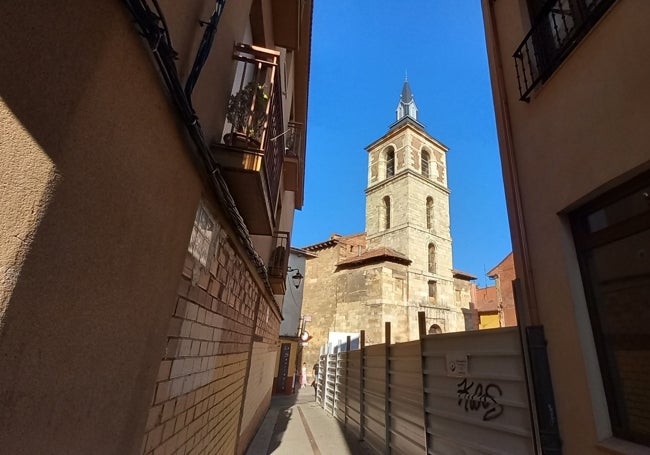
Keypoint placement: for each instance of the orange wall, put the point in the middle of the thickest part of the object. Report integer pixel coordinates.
(582, 132)
(102, 195)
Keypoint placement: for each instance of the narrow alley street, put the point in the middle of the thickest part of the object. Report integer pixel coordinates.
(296, 425)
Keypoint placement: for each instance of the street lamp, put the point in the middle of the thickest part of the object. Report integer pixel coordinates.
(296, 278)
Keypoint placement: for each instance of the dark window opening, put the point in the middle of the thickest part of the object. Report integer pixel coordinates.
(386, 212)
(424, 159)
(433, 292)
(432, 258)
(390, 163)
(612, 237)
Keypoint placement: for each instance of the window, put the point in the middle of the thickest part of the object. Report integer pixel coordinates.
(390, 162)
(434, 329)
(433, 292)
(429, 212)
(612, 237)
(432, 258)
(386, 212)
(424, 161)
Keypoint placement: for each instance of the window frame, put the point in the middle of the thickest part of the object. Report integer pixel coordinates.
(431, 257)
(386, 207)
(586, 241)
(390, 162)
(425, 159)
(429, 212)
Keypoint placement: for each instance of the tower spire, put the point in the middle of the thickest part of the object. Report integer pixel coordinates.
(406, 106)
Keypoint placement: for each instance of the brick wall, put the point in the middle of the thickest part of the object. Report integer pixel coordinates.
(197, 403)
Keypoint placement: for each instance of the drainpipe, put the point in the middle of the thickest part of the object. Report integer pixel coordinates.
(525, 305)
(527, 314)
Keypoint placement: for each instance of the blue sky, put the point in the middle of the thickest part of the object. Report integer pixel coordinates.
(361, 50)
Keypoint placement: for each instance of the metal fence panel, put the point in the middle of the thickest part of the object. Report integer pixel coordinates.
(330, 383)
(374, 396)
(475, 393)
(468, 387)
(406, 412)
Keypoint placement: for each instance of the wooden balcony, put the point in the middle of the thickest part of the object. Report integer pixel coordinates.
(251, 153)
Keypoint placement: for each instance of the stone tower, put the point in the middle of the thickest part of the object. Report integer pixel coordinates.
(407, 210)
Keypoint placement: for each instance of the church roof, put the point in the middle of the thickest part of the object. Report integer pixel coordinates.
(376, 255)
(463, 275)
(333, 240)
(321, 245)
(407, 95)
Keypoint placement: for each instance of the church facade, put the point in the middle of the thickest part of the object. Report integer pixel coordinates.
(402, 263)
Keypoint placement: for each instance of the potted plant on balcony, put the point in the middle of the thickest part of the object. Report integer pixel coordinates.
(247, 115)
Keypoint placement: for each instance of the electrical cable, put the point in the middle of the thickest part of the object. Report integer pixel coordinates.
(204, 49)
(153, 28)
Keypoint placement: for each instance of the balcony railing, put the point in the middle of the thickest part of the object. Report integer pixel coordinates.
(294, 157)
(279, 261)
(294, 141)
(557, 29)
(251, 152)
(258, 124)
(274, 152)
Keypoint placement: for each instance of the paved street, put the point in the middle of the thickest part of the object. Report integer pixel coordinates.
(296, 425)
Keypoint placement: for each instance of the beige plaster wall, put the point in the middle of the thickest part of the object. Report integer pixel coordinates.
(27, 179)
(582, 132)
(101, 195)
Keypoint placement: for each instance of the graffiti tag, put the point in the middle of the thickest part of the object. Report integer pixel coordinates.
(475, 397)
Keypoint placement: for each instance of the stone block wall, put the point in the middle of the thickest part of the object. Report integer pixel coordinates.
(320, 299)
(197, 404)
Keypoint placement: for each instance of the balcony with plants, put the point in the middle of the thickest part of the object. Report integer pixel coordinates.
(252, 150)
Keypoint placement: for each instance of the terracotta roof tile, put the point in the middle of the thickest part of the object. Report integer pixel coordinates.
(387, 254)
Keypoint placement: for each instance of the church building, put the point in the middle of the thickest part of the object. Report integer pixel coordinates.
(402, 263)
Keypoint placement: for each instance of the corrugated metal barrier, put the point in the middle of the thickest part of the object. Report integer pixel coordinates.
(457, 393)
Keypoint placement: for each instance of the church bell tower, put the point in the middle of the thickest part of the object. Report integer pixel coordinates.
(407, 210)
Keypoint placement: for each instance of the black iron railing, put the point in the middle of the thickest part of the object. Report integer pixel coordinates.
(293, 142)
(557, 29)
(279, 261)
(274, 146)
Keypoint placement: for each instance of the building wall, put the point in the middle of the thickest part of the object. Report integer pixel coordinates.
(499, 298)
(202, 379)
(409, 233)
(504, 274)
(582, 133)
(97, 171)
(98, 195)
(365, 296)
(320, 299)
(292, 303)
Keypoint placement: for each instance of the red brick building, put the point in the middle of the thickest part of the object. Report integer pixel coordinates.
(494, 306)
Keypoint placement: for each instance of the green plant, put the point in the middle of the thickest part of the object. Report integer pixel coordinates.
(247, 110)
